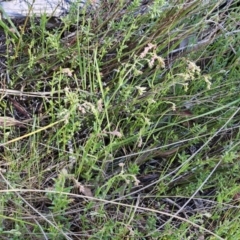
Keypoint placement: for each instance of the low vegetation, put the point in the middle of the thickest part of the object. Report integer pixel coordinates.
(121, 122)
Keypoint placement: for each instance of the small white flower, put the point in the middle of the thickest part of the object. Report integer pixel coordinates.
(141, 90)
(185, 87)
(192, 67)
(121, 164)
(207, 79)
(137, 182)
(161, 62)
(147, 121)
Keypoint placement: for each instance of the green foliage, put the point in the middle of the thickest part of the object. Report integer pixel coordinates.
(124, 114)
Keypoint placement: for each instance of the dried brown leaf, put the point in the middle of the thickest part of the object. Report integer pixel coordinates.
(100, 105)
(67, 71)
(116, 133)
(82, 189)
(86, 191)
(9, 122)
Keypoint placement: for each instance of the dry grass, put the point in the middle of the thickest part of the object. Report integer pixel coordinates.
(113, 127)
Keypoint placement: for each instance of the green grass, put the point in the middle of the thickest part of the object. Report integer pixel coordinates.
(119, 134)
